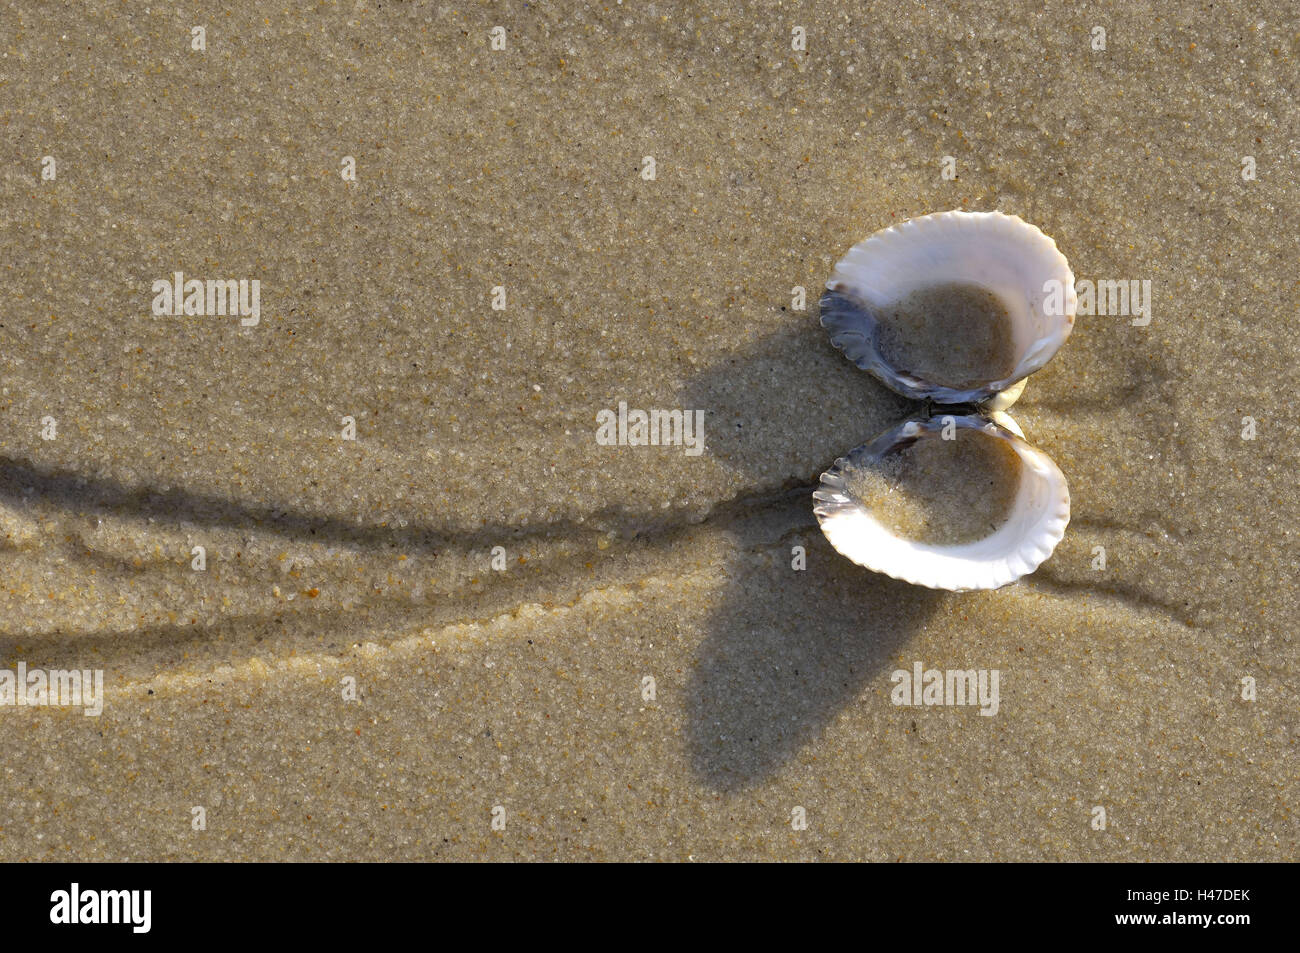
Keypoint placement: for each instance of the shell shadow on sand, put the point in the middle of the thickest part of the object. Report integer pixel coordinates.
(783, 659)
(787, 651)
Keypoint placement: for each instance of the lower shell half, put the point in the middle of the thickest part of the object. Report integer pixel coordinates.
(985, 507)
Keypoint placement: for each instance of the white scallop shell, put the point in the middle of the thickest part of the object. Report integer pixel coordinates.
(1002, 253)
(1036, 523)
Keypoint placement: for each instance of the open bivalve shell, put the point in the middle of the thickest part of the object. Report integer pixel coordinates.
(951, 502)
(955, 307)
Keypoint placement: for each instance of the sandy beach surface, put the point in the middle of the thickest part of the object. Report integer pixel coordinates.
(476, 632)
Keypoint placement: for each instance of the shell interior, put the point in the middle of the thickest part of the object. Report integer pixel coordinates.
(999, 253)
(1033, 526)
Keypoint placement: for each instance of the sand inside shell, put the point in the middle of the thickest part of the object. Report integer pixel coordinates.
(956, 334)
(942, 492)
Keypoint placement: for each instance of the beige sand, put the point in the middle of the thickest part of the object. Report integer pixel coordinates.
(525, 687)
(938, 491)
(955, 333)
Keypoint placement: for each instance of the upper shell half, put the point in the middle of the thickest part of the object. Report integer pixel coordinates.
(1002, 255)
(1037, 508)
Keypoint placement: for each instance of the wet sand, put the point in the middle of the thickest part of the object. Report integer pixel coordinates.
(516, 678)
